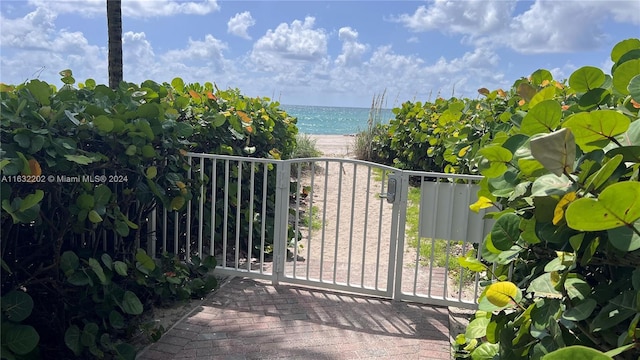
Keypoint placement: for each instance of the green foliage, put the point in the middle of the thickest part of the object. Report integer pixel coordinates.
(82, 169)
(565, 179)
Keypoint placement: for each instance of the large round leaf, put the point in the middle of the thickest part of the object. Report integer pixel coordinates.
(593, 130)
(618, 205)
(576, 352)
(586, 78)
(555, 151)
(634, 88)
(624, 73)
(503, 294)
(506, 231)
(542, 118)
(21, 339)
(17, 305)
(623, 47)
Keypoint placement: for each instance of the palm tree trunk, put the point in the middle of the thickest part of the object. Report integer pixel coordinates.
(114, 25)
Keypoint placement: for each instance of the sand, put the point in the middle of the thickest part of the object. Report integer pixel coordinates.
(335, 145)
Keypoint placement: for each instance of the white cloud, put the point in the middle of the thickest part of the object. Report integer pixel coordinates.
(555, 27)
(352, 50)
(472, 17)
(132, 8)
(33, 31)
(240, 23)
(290, 45)
(545, 27)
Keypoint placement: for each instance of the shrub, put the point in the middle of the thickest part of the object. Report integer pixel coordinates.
(82, 169)
(564, 254)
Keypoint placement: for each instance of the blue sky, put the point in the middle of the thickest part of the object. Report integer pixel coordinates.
(336, 53)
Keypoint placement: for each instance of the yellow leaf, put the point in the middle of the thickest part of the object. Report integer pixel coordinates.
(177, 203)
(463, 151)
(275, 153)
(482, 203)
(502, 293)
(521, 102)
(545, 83)
(558, 213)
(249, 129)
(501, 93)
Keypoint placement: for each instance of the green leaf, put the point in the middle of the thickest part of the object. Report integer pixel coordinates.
(151, 172)
(85, 201)
(477, 328)
(40, 91)
(72, 339)
(102, 194)
(121, 228)
(634, 88)
(623, 74)
(79, 159)
(586, 78)
(145, 260)
(79, 278)
(21, 339)
(595, 181)
(506, 231)
(131, 304)
(131, 150)
(121, 268)
(88, 335)
(540, 75)
(94, 217)
(23, 140)
(471, 263)
(623, 47)
(183, 130)
(498, 158)
(542, 118)
(555, 151)
(116, 320)
(103, 123)
(593, 130)
(544, 312)
(17, 305)
(581, 311)
(97, 269)
(544, 286)
(107, 261)
(486, 351)
(618, 310)
(547, 93)
(31, 200)
(69, 262)
(617, 205)
(625, 238)
(178, 85)
(551, 184)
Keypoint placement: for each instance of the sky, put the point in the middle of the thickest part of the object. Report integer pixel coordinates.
(330, 53)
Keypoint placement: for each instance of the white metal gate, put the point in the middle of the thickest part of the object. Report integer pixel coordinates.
(332, 223)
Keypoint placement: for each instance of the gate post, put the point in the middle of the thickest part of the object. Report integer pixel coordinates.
(399, 220)
(281, 219)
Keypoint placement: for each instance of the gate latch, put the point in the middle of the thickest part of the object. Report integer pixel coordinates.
(390, 195)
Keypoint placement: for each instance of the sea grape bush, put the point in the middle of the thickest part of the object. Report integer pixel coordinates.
(81, 169)
(563, 259)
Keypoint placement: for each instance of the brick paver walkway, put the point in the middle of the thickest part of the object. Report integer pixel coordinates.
(250, 319)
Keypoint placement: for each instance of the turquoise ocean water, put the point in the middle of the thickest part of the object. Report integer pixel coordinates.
(326, 120)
